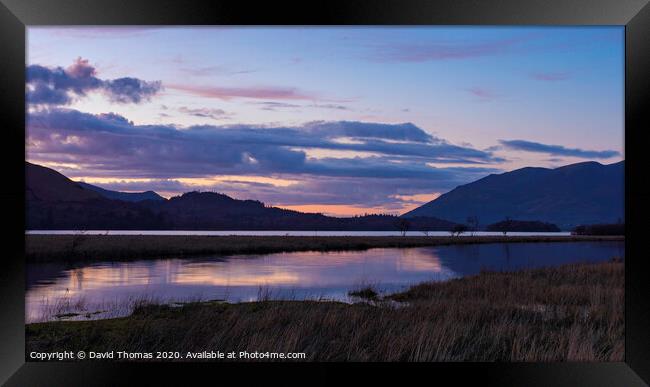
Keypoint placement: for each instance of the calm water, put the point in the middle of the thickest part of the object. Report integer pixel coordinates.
(109, 289)
(279, 233)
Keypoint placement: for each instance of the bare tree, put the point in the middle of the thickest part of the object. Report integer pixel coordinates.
(77, 238)
(507, 225)
(458, 229)
(473, 223)
(403, 225)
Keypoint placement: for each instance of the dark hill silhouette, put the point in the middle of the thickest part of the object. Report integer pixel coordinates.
(49, 185)
(124, 196)
(56, 202)
(582, 193)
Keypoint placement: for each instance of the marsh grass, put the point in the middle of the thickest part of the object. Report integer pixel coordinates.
(71, 308)
(40, 248)
(567, 313)
(365, 291)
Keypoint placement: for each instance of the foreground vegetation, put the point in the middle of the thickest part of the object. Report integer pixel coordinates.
(600, 229)
(125, 247)
(567, 313)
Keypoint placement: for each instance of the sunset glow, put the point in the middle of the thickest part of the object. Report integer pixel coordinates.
(341, 121)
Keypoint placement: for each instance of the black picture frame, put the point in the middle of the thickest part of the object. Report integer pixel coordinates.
(15, 15)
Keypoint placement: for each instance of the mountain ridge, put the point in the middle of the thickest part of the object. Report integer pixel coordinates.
(50, 208)
(580, 193)
(124, 196)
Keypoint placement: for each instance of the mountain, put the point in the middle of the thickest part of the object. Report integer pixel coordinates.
(582, 193)
(214, 211)
(56, 202)
(49, 185)
(124, 196)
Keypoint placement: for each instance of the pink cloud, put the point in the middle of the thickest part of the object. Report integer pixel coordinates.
(226, 93)
(81, 68)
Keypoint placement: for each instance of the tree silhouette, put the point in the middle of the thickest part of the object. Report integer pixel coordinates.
(473, 223)
(403, 226)
(459, 229)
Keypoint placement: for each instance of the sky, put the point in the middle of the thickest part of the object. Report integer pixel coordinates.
(339, 120)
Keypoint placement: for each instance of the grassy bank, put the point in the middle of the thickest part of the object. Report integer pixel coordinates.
(573, 312)
(124, 247)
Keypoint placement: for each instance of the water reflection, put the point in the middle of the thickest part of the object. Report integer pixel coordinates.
(110, 287)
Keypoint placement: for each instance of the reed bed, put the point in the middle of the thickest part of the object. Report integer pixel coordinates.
(567, 313)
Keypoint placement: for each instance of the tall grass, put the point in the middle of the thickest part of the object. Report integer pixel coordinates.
(79, 308)
(568, 313)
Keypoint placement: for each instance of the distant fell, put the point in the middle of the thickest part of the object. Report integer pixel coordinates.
(124, 196)
(45, 184)
(56, 202)
(582, 193)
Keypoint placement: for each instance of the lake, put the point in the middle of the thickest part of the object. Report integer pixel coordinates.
(111, 289)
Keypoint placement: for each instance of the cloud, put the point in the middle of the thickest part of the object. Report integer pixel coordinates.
(356, 129)
(111, 145)
(438, 51)
(273, 106)
(557, 150)
(59, 86)
(481, 93)
(379, 160)
(41, 93)
(227, 93)
(81, 69)
(213, 70)
(130, 90)
(328, 106)
(204, 112)
(394, 194)
(541, 76)
(188, 67)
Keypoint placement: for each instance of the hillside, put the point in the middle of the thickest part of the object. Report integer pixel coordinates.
(56, 202)
(124, 196)
(582, 193)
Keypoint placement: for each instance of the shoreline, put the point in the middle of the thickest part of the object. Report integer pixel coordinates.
(67, 248)
(491, 316)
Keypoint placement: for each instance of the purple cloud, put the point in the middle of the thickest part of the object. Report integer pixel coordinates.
(328, 106)
(557, 150)
(130, 90)
(273, 106)
(109, 144)
(215, 114)
(59, 86)
(41, 93)
(227, 93)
